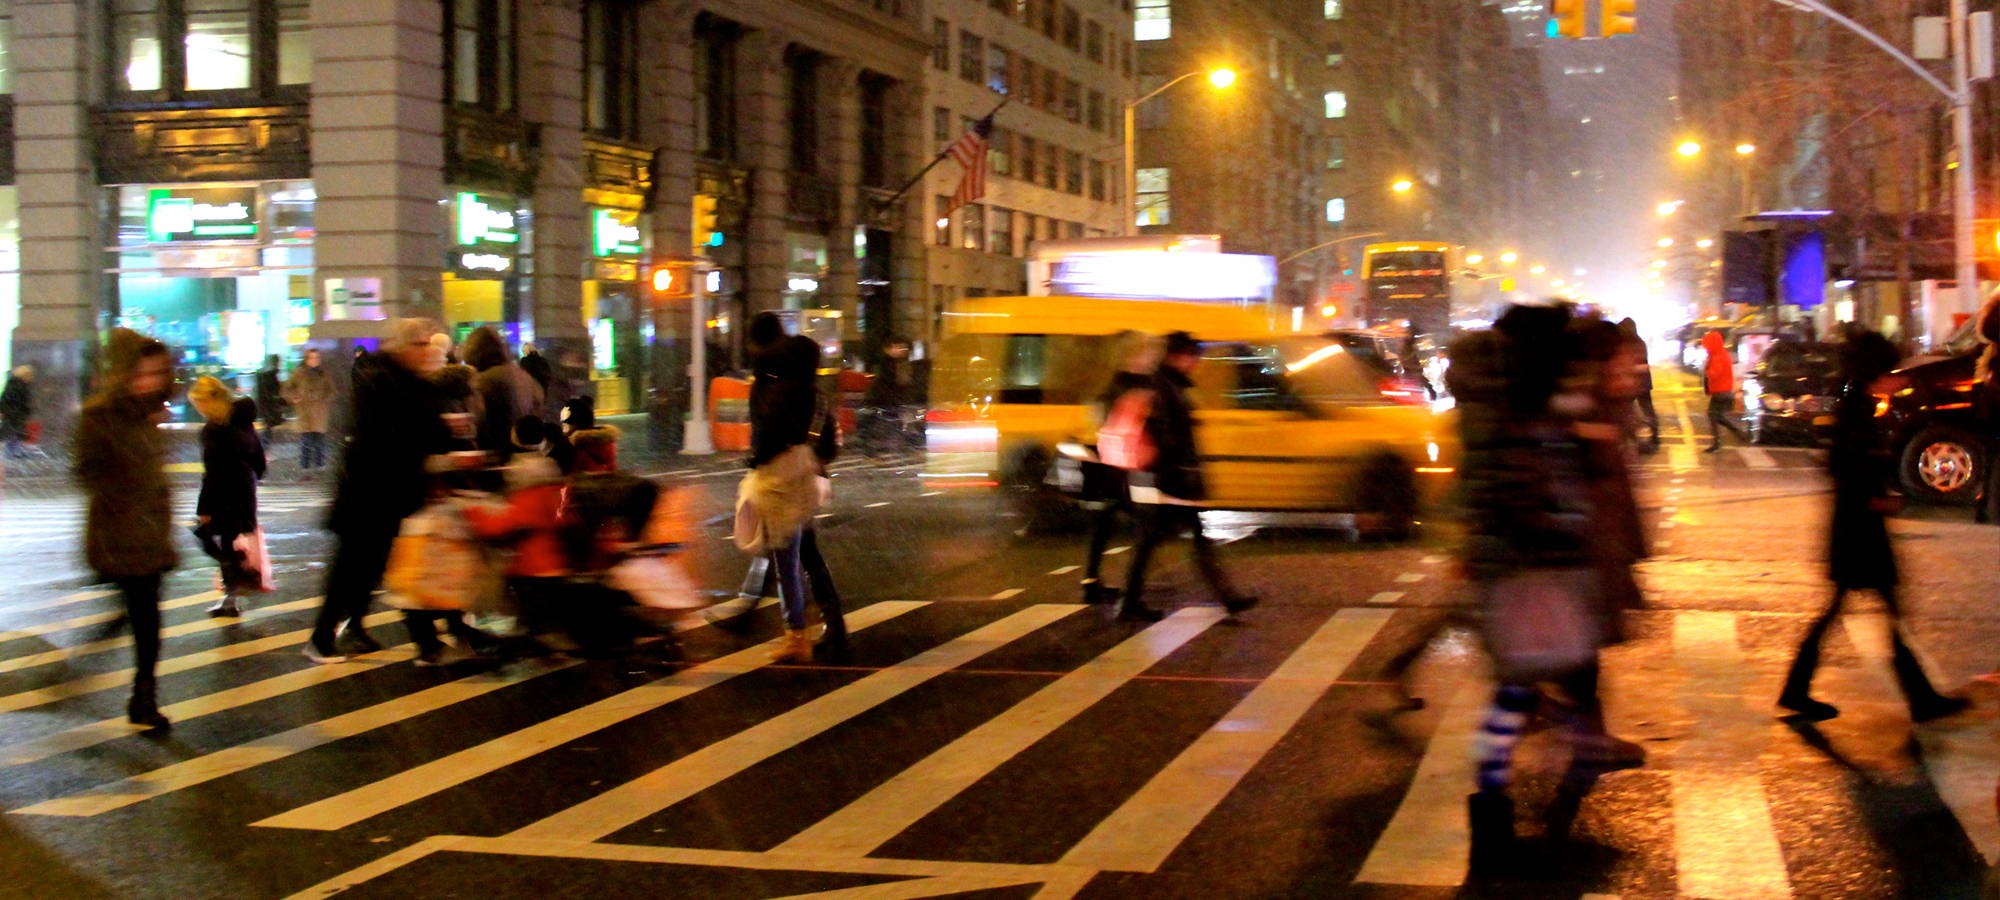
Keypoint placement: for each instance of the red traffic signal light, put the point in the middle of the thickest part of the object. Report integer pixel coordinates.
(672, 280)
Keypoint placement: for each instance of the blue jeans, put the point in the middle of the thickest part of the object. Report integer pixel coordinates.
(312, 450)
(791, 580)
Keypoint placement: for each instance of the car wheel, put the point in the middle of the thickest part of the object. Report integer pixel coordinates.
(1027, 493)
(1943, 464)
(1386, 500)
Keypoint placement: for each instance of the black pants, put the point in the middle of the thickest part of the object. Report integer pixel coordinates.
(1648, 414)
(1103, 521)
(141, 594)
(358, 563)
(312, 449)
(1720, 408)
(1165, 520)
(1917, 688)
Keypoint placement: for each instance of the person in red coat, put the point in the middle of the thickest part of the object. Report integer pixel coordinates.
(1719, 376)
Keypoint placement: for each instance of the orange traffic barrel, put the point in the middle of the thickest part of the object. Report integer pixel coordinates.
(729, 413)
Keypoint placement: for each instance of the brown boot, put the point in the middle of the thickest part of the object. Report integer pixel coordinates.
(796, 647)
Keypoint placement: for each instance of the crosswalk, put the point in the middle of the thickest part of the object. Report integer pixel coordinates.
(662, 745)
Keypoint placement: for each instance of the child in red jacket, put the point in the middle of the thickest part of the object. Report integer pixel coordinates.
(532, 521)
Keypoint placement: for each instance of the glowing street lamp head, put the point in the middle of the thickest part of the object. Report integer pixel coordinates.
(1705, 243)
(1659, 264)
(1474, 259)
(1668, 208)
(1222, 78)
(1666, 242)
(1537, 270)
(1745, 149)
(1510, 257)
(1689, 149)
(1403, 186)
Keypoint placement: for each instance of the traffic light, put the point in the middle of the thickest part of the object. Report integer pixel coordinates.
(1620, 17)
(672, 280)
(707, 227)
(1571, 18)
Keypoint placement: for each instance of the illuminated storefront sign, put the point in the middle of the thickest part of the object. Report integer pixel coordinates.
(486, 231)
(201, 214)
(616, 233)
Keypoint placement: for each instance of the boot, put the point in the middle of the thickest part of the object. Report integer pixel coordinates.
(1096, 592)
(1131, 609)
(226, 609)
(1926, 704)
(1491, 815)
(144, 709)
(796, 647)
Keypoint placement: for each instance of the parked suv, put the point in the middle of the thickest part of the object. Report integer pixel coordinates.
(1941, 445)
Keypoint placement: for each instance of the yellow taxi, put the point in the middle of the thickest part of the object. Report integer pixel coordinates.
(1285, 422)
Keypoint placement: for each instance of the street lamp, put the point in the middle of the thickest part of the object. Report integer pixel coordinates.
(1474, 259)
(1668, 208)
(1403, 186)
(1689, 149)
(1510, 257)
(1705, 243)
(1219, 78)
(1745, 149)
(1666, 242)
(1537, 270)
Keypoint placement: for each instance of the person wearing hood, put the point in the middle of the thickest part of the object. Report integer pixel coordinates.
(119, 458)
(17, 406)
(1175, 476)
(506, 392)
(398, 425)
(462, 404)
(588, 446)
(1719, 379)
(232, 460)
(310, 393)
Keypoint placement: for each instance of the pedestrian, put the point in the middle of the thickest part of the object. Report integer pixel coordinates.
(17, 408)
(119, 458)
(1529, 552)
(537, 366)
(892, 394)
(1606, 373)
(1642, 367)
(591, 446)
(793, 435)
(1105, 491)
(1719, 380)
(310, 393)
(456, 395)
(232, 461)
(1860, 554)
(507, 394)
(530, 521)
(398, 425)
(1173, 483)
(1986, 409)
(270, 395)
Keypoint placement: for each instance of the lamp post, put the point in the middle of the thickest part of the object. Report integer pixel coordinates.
(1219, 78)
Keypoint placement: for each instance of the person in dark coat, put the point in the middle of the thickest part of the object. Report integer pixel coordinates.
(232, 461)
(1176, 480)
(119, 457)
(1642, 367)
(17, 406)
(270, 395)
(1104, 487)
(507, 394)
(1860, 554)
(398, 425)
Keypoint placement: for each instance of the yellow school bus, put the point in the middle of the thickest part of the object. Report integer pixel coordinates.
(1285, 422)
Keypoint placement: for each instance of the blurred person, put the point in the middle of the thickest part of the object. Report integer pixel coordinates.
(457, 396)
(17, 407)
(1642, 368)
(1105, 491)
(1986, 409)
(1719, 381)
(892, 394)
(530, 520)
(270, 395)
(310, 393)
(1175, 475)
(1860, 554)
(398, 426)
(592, 446)
(1530, 551)
(507, 394)
(232, 462)
(442, 345)
(119, 458)
(537, 366)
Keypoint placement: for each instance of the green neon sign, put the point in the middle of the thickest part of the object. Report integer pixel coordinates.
(479, 223)
(615, 232)
(200, 213)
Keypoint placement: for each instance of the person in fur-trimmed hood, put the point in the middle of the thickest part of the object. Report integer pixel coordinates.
(593, 447)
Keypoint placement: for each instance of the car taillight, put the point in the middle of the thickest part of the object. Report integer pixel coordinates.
(1403, 390)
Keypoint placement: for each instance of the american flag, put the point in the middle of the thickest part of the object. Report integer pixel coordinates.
(970, 153)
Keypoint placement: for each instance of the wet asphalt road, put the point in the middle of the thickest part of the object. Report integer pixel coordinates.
(992, 739)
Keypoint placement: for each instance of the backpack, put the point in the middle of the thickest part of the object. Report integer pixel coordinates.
(1123, 440)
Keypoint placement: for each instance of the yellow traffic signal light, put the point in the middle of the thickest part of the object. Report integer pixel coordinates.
(707, 228)
(1571, 18)
(1620, 17)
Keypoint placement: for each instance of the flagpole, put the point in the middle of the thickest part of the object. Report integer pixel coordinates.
(926, 170)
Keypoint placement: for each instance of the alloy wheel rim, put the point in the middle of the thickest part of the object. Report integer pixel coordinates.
(1945, 466)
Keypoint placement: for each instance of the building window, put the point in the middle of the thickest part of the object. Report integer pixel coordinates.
(1051, 164)
(1000, 154)
(1072, 100)
(1336, 104)
(875, 131)
(715, 93)
(1093, 41)
(1072, 28)
(941, 45)
(1153, 20)
(1003, 7)
(1334, 58)
(941, 127)
(998, 64)
(610, 71)
(6, 47)
(1073, 172)
(971, 57)
(479, 64)
(972, 226)
(1336, 210)
(941, 229)
(1336, 153)
(802, 98)
(1155, 201)
(1029, 159)
(1333, 10)
(1048, 19)
(1003, 231)
(175, 49)
(1096, 111)
(1098, 180)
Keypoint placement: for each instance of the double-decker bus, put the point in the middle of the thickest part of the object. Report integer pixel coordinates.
(1410, 281)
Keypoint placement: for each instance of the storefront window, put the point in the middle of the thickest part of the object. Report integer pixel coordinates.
(482, 261)
(294, 41)
(805, 269)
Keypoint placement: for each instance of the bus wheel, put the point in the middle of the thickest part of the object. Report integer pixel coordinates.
(1028, 495)
(1386, 500)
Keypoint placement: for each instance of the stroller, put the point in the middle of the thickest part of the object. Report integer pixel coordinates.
(628, 588)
